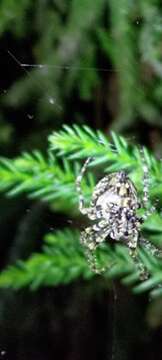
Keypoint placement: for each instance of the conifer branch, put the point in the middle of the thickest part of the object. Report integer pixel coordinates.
(42, 178)
(62, 261)
(53, 179)
(114, 152)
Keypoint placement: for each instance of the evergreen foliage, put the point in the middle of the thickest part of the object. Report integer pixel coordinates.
(53, 180)
(101, 64)
(72, 40)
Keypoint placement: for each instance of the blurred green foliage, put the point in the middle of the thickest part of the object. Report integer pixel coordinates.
(62, 260)
(76, 41)
(102, 66)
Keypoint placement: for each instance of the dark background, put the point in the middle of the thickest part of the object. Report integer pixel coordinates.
(103, 68)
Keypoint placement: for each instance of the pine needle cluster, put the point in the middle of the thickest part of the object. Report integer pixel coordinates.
(51, 178)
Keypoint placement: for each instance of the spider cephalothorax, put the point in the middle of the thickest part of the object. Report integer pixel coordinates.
(113, 208)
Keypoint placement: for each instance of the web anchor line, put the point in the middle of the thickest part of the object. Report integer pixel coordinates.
(64, 67)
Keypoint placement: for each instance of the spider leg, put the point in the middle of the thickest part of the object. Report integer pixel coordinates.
(132, 241)
(91, 237)
(144, 273)
(145, 179)
(83, 209)
(152, 248)
(148, 212)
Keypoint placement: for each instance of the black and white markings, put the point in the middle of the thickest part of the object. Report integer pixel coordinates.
(113, 208)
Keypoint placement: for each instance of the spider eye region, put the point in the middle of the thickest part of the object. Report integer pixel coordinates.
(122, 176)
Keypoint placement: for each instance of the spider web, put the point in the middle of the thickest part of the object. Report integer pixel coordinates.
(44, 68)
(53, 101)
(26, 67)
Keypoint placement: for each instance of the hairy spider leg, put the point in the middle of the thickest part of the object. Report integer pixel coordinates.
(151, 247)
(144, 273)
(132, 242)
(90, 238)
(83, 209)
(141, 268)
(148, 212)
(145, 179)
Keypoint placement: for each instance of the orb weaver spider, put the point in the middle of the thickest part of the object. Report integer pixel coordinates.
(113, 208)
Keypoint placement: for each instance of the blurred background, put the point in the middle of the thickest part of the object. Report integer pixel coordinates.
(69, 61)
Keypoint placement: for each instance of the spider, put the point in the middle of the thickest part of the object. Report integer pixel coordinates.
(113, 208)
